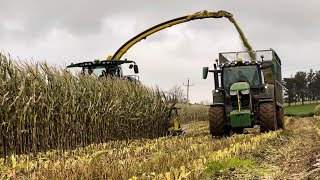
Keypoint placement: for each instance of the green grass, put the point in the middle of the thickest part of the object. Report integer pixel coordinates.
(216, 167)
(300, 109)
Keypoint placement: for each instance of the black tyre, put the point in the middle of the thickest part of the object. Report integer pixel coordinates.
(280, 118)
(216, 121)
(267, 113)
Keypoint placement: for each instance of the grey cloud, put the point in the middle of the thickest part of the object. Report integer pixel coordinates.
(38, 17)
(75, 30)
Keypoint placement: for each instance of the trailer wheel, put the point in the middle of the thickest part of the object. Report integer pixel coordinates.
(216, 121)
(280, 118)
(267, 113)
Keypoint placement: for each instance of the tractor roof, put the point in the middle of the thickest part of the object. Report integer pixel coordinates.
(98, 63)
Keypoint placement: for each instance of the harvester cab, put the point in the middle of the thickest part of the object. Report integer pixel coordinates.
(107, 68)
(248, 92)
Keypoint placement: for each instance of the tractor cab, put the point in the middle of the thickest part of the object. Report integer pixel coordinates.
(107, 68)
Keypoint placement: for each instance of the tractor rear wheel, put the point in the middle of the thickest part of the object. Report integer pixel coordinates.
(267, 113)
(280, 118)
(216, 121)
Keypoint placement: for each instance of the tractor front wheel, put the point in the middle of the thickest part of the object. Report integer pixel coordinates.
(217, 121)
(267, 113)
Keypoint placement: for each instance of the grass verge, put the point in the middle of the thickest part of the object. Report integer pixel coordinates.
(306, 109)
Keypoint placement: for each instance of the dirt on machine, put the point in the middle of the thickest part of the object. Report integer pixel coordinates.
(248, 92)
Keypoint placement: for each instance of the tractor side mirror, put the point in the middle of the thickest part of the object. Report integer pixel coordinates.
(205, 71)
(136, 69)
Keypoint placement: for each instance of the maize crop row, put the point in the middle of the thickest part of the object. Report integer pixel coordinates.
(45, 108)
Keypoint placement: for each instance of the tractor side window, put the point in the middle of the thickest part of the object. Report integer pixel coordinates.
(111, 70)
(87, 71)
(255, 78)
(98, 71)
(119, 71)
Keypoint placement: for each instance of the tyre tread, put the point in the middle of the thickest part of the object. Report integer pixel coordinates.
(267, 113)
(217, 121)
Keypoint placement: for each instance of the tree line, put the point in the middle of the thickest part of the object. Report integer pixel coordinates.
(303, 86)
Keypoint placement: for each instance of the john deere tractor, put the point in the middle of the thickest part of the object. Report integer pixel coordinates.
(248, 92)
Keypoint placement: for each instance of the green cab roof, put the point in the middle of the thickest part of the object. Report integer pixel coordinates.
(98, 63)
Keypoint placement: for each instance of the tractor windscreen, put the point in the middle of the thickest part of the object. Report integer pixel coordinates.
(249, 74)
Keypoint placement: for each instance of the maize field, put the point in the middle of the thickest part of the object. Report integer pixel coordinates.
(195, 112)
(45, 108)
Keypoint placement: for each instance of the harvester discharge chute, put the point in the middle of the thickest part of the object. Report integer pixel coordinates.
(196, 16)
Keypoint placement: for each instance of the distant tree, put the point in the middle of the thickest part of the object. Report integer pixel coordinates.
(316, 85)
(176, 94)
(311, 86)
(289, 84)
(301, 85)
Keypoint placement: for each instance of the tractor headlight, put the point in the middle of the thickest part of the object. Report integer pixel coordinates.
(245, 92)
(233, 93)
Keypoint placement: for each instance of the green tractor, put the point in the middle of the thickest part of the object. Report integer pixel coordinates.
(248, 92)
(105, 68)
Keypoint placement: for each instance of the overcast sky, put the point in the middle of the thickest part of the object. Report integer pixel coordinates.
(61, 32)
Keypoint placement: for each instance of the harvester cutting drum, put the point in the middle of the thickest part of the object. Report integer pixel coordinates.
(248, 92)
